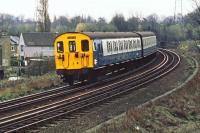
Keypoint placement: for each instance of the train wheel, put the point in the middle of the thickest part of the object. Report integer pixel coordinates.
(65, 80)
(92, 77)
(68, 79)
(71, 80)
(82, 78)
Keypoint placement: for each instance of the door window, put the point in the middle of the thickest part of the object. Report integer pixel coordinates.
(72, 46)
(85, 45)
(60, 47)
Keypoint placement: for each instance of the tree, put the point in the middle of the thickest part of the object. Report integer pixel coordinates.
(168, 21)
(119, 21)
(94, 27)
(195, 16)
(101, 20)
(80, 27)
(151, 24)
(197, 11)
(176, 33)
(43, 20)
(133, 23)
(101, 24)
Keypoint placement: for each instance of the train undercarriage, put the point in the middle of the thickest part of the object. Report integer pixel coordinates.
(92, 75)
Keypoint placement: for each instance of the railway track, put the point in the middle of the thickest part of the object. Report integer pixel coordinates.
(60, 92)
(90, 97)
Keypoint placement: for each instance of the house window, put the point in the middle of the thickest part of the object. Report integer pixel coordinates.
(12, 48)
(22, 48)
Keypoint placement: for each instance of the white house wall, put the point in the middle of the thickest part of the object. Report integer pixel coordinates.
(21, 43)
(38, 51)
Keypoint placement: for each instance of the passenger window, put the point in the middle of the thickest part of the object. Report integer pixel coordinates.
(85, 45)
(72, 46)
(99, 46)
(60, 47)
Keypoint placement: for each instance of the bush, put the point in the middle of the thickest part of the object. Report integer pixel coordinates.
(22, 87)
(40, 66)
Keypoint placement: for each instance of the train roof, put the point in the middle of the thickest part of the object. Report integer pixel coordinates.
(145, 34)
(104, 35)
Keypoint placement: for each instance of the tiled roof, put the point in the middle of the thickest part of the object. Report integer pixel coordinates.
(39, 39)
(14, 40)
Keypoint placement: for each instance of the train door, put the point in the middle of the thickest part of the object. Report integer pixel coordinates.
(100, 49)
(78, 53)
(97, 48)
(66, 54)
(85, 53)
(60, 54)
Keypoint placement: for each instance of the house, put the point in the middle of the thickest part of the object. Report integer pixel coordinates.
(14, 55)
(14, 42)
(8, 50)
(5, 52)
(35, 45)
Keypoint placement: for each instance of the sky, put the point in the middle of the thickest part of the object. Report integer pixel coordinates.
(97, 8)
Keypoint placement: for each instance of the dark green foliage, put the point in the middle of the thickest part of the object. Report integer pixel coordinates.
(14, 25)
(167, 30)
(0, 55)
(133, 23)
(14, 61)
(119, 21)
(40, 67)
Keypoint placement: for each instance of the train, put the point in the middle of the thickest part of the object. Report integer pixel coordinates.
(79, 54)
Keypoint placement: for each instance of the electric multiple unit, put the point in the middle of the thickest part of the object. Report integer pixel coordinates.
(77, 55)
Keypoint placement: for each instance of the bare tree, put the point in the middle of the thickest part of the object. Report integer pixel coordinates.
(196, 15)
(197, 11)
(42, 16)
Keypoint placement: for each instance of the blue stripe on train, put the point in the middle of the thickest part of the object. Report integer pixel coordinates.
(149, 51)
(117, 58)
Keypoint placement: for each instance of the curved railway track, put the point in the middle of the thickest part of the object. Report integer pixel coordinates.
(92, 96)
(60, 92)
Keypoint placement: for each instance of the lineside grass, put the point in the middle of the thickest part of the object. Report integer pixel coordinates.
(25, 86)
(176, 113)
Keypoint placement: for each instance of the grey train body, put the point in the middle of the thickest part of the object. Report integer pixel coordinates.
(115, 47)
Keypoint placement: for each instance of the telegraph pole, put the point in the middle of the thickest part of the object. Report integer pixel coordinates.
(175, 11)
(179, 11)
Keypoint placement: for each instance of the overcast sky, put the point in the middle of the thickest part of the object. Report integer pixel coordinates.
(97, 8)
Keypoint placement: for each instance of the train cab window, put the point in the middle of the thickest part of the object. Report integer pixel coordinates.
(85, 45)
(72, 46)
(60, 47)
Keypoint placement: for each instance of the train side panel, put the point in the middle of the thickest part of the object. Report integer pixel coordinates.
(149, 45)
(111, 51)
